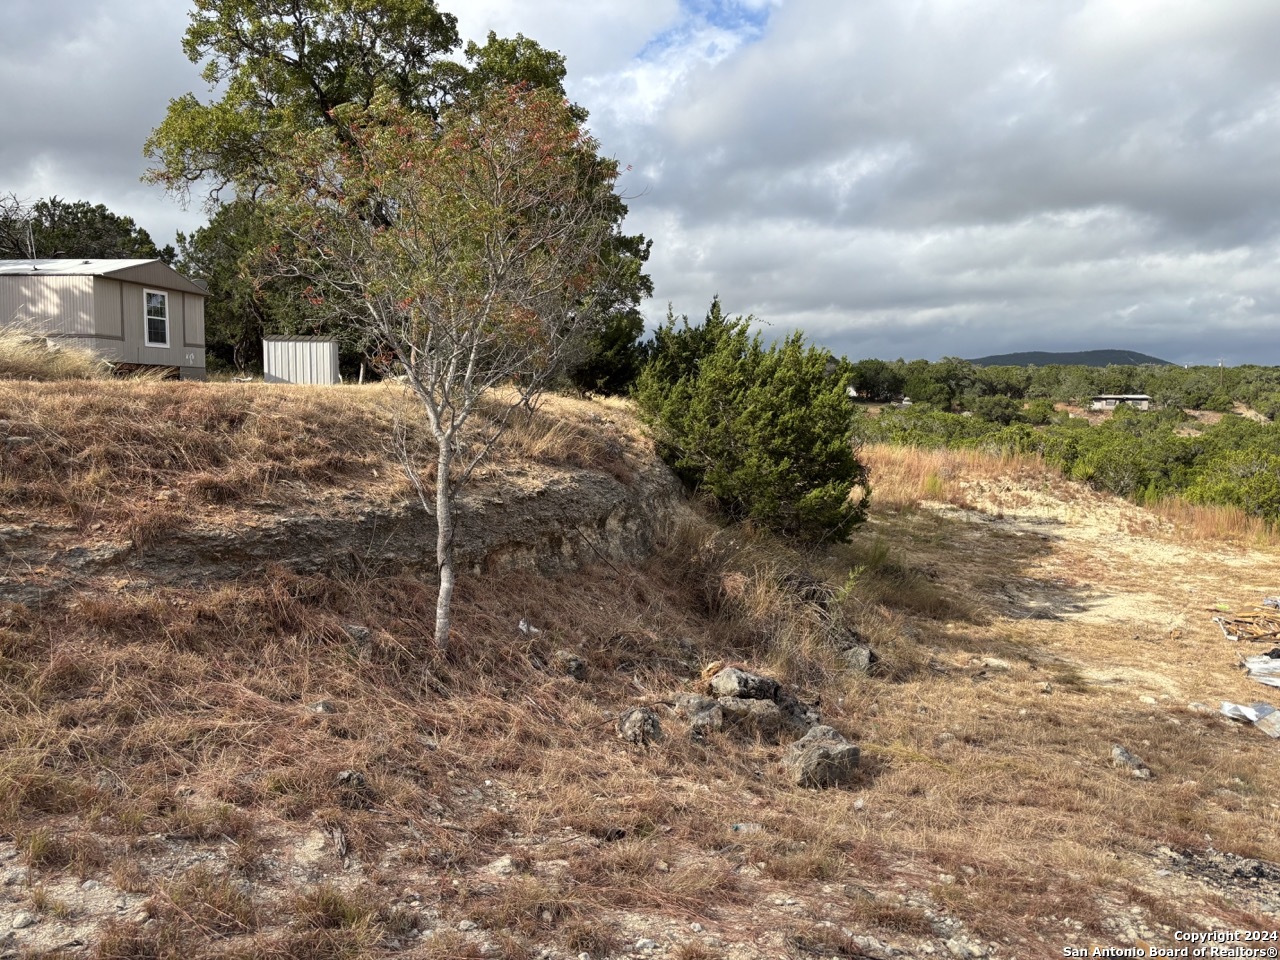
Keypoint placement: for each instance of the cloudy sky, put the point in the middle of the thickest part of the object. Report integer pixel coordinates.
(914, 178)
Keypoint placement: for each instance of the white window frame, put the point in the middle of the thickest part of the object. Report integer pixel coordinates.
(146, 319)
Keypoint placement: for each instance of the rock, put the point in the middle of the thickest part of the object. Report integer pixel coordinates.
(821, 758)
(639, 725)
(22, 920)
(797, 717)
(570, 664)
(689, 705)
(706, 722)
(1120, 757)
(858, 658)
(644, 945)
(466, 926)
(732, 682)
(356, 632)
(762, 718)
(321, 706)
(352, 779)
(90, 885)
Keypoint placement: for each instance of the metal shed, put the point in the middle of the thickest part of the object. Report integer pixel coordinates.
(300, 360)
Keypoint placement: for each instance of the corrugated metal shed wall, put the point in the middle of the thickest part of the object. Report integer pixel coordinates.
(300, 360)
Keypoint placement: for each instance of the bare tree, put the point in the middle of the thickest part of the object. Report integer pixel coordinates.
(469, 248)
(16, 241)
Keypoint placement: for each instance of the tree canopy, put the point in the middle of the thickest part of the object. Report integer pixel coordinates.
(471, 248)
(281, 69)
(54, 228)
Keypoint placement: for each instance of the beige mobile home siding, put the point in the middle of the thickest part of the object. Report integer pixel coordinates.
(193, 320)
(49, 306)
(108, 305)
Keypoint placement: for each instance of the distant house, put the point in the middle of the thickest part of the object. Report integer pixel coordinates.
(1109, 401)
(126, 311)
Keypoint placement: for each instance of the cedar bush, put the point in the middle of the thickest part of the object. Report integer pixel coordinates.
(765, 432)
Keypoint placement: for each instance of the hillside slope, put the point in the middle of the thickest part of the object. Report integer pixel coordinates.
(1074, 358)
(265, 761)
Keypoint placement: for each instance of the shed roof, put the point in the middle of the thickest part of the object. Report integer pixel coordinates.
(136, 271)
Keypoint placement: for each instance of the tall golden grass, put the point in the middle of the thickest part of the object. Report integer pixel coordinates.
(27, 357)
(904, 477)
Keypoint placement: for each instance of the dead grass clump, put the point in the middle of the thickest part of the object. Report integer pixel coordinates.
(1216, 523)
(207, 902)
(904, 477)
(24, 356)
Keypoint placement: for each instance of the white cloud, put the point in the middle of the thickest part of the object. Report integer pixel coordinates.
(898, 177)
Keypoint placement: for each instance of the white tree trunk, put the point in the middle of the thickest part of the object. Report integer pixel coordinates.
(444, 542)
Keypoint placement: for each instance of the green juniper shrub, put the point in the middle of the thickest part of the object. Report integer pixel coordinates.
(764, 431)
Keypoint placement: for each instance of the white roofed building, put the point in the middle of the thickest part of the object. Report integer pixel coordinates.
(125, 311)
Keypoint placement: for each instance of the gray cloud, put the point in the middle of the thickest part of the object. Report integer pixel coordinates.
(898, 179)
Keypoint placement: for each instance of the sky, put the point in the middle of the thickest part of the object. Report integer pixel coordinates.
(897, 178)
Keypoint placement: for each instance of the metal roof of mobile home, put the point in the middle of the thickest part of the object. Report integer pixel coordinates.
(155, 272)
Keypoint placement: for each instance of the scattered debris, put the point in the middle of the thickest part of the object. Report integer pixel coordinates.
(821, 758)
(1257, 626)
(1261, 715)
(1120, 757)
(1265, 668)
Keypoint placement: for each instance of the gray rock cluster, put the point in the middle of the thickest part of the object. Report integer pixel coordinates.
(750, 704)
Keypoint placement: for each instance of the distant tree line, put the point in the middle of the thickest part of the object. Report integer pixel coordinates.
(957, 385)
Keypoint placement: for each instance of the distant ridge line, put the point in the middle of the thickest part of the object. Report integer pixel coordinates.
(1077, 358)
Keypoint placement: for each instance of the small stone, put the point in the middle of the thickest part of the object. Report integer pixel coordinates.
(570, 664)
(995, 663)
(22, 920)
(1151, 701)
(356, 632)
(858, 658)
(696, 927)
(321, 706)
(1046, 687)
(732, 682)
(646, 944)
(90, 885)
(821, 758)
(640, 726)
(1120, 757)
(466, 926)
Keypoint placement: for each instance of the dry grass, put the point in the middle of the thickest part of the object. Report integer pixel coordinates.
(170, 726)
(27, 357)
(1214, 523)
(142, 458)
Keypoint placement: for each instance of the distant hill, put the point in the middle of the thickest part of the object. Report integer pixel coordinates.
(1078, 358)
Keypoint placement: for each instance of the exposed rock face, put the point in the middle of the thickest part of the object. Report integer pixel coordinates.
(640, 726)
(756, 705)
(760, 718)
(821, 758)
(732, 682)
(567, 521)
